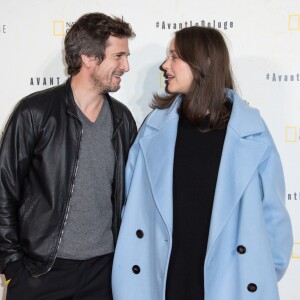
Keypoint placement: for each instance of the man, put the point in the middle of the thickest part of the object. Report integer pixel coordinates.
(62, 159)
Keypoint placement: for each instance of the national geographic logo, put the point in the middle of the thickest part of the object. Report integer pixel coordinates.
(60, 27)
(3, 29)
(176, 25)
(45, 81)
(294, 22)
(296, 250)
(292, 134)
(283, 77)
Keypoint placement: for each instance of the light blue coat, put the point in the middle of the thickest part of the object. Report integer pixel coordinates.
(248, 210)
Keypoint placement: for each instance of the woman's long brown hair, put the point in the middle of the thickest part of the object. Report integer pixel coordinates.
(205, 51)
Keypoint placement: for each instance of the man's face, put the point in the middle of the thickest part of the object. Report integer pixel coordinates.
(106, 76)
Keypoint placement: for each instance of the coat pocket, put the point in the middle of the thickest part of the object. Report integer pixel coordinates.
(26, 208)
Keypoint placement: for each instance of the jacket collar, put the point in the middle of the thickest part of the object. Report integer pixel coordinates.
(243, 120)
(71, 106)
(117, 119)
(240, 159)
(70, 102)
(158, 146)
(161, 117)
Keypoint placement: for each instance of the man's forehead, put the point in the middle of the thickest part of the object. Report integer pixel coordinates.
(117, 45)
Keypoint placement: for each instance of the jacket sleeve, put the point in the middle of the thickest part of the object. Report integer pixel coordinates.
(15, 151)
(277, 219)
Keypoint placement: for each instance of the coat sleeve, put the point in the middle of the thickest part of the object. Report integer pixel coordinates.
(277, 219)
(15, 151)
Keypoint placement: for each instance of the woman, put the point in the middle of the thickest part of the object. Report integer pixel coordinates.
(205, 216)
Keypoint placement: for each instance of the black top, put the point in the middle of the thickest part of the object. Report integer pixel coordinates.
(196, 164)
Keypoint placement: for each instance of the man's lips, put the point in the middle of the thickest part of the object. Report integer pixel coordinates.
(118, 75)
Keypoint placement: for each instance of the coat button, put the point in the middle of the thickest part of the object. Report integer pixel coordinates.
(241, 249)
(140, 233)
(252, 287)
(136, 269)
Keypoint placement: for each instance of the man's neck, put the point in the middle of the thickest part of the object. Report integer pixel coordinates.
(89, 101)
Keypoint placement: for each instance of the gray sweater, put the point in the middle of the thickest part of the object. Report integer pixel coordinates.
(87, 231)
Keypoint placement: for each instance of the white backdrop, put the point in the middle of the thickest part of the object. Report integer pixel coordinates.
(264, 42)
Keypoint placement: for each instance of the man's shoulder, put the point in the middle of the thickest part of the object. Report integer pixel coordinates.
(42, 101)
(45, 95)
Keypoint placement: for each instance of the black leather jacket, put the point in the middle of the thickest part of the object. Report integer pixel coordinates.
(38, 160)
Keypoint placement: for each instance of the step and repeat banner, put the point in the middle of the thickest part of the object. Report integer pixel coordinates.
(263, 38)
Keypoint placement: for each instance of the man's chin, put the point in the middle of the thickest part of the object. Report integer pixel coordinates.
(112, 89)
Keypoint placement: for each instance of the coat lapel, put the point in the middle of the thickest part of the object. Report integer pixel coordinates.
(240, 158)
(158, 146)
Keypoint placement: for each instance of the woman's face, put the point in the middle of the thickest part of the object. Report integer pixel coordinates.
(178, 73)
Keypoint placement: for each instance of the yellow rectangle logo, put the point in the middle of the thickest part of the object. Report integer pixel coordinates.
(294, 22)
(296, 250)
(291, 134)
(58, 28)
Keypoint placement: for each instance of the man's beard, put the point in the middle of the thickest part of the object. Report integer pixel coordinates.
(104, 88)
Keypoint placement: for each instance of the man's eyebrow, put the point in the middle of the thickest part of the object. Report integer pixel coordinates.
(123, 53)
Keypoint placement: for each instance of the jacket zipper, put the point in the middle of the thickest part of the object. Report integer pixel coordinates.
(68, 207)
(116, 208)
